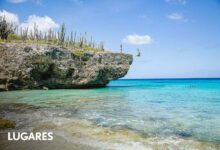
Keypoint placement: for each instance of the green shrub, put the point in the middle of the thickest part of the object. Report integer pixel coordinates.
(12, 37)
(5, 28)
(78, 53)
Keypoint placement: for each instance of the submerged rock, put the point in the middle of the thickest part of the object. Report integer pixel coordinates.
(4, 123)
(45, 88)
(17, 108)
(26, 66)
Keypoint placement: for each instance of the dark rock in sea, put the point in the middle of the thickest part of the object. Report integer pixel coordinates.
(184, 134)
(34, 66)
(4, 124)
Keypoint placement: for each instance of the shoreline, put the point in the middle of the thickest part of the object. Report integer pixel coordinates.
(73, 133)
(111, 118)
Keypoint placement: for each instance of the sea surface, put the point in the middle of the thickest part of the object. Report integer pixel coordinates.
(127, 114)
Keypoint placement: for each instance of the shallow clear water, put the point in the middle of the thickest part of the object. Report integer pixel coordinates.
(153, 108)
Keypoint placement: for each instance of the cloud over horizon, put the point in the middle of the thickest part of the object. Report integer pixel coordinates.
(44, 23)
(135, 39)
(10, 17)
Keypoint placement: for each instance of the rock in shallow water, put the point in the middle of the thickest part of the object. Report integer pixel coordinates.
(35, 66)
(4, 123)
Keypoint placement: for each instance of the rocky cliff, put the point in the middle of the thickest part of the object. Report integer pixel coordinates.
(34, 66)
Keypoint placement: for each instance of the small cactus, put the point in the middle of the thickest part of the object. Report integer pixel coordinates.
(121, 48)
(102, 46)
(61, 35)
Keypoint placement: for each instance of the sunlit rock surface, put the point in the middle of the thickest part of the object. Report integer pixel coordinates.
(36, 66)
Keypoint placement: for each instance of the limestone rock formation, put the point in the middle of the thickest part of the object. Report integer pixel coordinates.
(34, 66)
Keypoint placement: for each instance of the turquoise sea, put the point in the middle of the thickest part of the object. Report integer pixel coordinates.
(151, 114)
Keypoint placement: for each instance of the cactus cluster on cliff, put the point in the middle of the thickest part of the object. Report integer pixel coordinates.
(10, 32)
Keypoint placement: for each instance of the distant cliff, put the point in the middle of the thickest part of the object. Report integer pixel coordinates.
(34, 66)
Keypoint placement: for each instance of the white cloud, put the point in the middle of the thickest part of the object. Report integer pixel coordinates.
(137, 39)
(177, 17)
(22, 1)
(43, 23)
(183, 2)
(16, 1)
(10, 17)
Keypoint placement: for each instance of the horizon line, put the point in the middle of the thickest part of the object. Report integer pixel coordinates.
(195, 78)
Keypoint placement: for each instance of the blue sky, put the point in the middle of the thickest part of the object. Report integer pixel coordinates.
(177, 38)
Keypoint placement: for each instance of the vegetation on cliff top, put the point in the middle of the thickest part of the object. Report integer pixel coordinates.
(77, 42)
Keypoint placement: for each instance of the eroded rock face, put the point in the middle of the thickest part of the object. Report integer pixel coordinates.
(34, 66)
